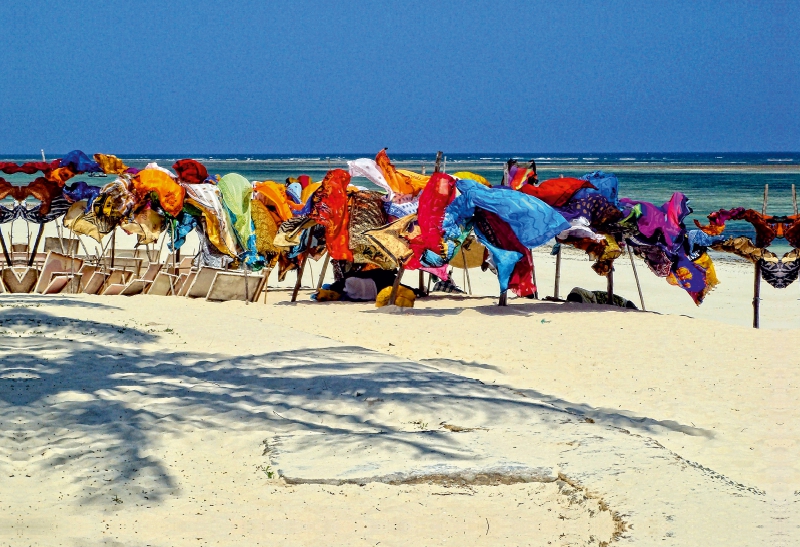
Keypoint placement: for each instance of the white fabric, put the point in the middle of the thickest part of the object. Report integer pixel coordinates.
(579, 228)
(360, 289)
(156, 167)
(365, 167)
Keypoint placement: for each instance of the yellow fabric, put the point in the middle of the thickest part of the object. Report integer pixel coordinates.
(208, 199)
(405, 297)
(471, 176)
(308, 190)
(76, 220)
(266, 229)
(273, 194)
(146, 224)
(110, 165)
(324, 295)
(473, 252)
(392, 239)
(418, 180)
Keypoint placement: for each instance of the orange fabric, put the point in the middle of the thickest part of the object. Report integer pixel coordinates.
(400, 183)
(520, 177)
(274, 197)
(170, 193)
(331, 211)
(60, 175)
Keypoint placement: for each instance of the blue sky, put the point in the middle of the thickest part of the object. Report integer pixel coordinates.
(346, 77)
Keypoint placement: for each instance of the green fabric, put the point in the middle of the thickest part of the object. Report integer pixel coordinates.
(236, 194)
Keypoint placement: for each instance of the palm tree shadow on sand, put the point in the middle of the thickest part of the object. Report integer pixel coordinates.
(89, 400)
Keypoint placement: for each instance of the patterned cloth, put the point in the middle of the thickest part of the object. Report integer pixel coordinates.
(782, 273)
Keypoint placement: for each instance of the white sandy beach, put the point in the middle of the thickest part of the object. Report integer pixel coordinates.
(167, 421)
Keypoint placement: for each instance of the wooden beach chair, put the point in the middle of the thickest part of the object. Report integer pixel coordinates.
(95, 282)
(138, 286)
(56, 263)
(20, 279)
(235, 286)
(202, 282)
(162, 285)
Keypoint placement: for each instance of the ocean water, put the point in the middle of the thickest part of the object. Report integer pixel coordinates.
(711, 181)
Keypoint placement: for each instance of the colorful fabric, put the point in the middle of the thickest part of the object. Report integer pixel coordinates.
(367, 213)
(368, 168)
(513, 260)
(744, 247)
(79, 191)
(697, 277)
(533, 221)
(158, 181)
(217, 225)
(433, 202)
(266, 230)
(400, 183)
(331, 211)
(605, 184)
(471, 176)
(665, 221)
(781, 273)
(115, 201)
(718, 219)
(79, 162)
(146, 223)
(555, 192)
(393, 239)
(190, 171)
(236, 197)
(111, 165)
(178, 228)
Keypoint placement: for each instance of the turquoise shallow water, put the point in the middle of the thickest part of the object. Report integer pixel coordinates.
(711, 181)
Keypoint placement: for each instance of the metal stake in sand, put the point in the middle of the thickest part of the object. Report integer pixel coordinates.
(324, 270)
(113, 245)
(5, 249)
(299, 277)
(757, 278)
(466, 271)
(610, 286)
(36, 245)
(558, 273)
(636, 276)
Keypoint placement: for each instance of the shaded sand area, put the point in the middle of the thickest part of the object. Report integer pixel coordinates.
(166, 421)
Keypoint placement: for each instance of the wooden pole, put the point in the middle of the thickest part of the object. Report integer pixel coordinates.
(466, 272)
(299, 277)
(757, 278)
(503, 299)
(113, 245)
(422, 282)
(5, 250)
(610, 286)
(36, 245)
(324, 269)
(437, 167)
(396, 285)
(794, 199)
(636, 276)
(558, 273)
